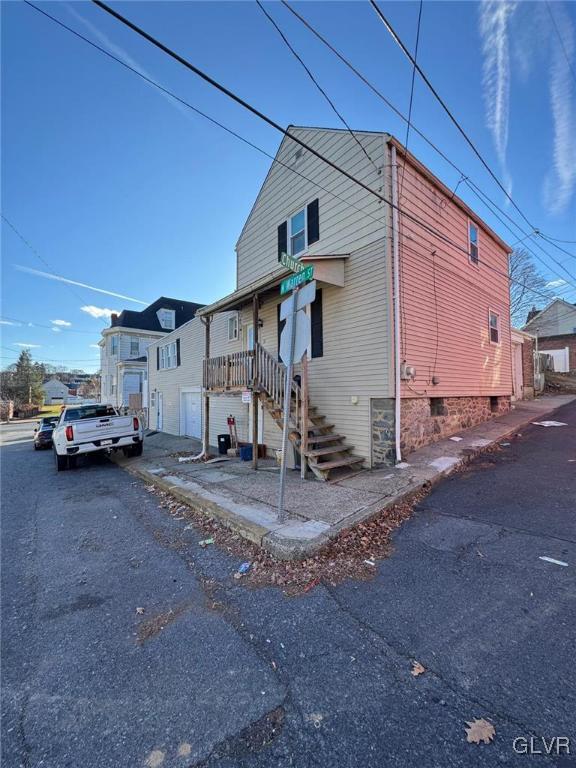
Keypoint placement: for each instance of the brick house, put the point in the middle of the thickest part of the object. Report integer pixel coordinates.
(389, 369)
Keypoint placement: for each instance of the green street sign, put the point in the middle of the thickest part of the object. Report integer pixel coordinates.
(295, 280)
(290, 263)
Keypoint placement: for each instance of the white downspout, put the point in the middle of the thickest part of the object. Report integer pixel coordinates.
(396, 299)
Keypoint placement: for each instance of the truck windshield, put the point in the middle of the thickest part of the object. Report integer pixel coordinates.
(89, 412)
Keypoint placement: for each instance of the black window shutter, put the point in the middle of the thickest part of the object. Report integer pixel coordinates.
(280, 325)
(317, 329)
(177, 352)
(157, 358)
(313, 222)
(282, 239)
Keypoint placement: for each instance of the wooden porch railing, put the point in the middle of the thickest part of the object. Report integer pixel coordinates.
(229, 372)
(255, 369)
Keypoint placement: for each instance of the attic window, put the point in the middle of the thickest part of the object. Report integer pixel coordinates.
(167, 319)
(473, 242)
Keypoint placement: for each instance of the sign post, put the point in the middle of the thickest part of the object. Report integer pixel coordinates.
(294, 342)
(290, 327)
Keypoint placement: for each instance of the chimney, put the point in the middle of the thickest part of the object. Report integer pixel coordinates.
(113, 318)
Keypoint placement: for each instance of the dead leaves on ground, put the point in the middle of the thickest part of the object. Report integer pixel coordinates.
(479, 731)
(417, 669)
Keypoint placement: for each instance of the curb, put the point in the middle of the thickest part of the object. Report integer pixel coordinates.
(286, 547)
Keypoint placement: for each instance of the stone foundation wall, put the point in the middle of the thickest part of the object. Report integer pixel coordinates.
(420, 427)
(382, 424)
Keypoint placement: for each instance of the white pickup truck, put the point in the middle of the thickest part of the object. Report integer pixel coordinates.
(94, 428)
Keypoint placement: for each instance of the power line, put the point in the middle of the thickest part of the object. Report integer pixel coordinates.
(561, 39)
(275, 160)
(315, 81)
(423, 136)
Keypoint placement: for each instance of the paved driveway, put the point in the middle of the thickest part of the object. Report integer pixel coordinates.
(213, 673)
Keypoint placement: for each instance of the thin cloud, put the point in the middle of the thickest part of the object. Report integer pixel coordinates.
(95, 346)
(561, 179)
(495, 17)
(120, 53)
(556, 283)
(57, 330)
(98, 312)
(58, 278)
(24, 345)
(64, 323)
(9, 322)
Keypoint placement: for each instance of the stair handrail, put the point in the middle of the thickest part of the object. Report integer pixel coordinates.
(271, 381)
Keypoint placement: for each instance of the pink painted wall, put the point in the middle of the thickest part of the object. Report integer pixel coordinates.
(445, 299)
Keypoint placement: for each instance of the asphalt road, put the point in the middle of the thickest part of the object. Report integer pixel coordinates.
(243, 677)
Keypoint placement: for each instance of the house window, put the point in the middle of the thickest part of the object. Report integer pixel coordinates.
(473, 242)
(299, 231)
(437, 406)
(153, 399)
(113, 385)
(297, 234)
(167, 319)
(134, 347)
(168, 355)
(494, 327)
(494, 403)
(233, 328)
(113, 345)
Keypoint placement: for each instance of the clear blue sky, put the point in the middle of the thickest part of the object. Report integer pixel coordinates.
(118, 188)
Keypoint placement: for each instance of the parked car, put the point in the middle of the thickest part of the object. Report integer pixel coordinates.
(43, 433)
(95, 429)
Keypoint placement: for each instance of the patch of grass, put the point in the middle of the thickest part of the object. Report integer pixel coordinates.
(50, 410)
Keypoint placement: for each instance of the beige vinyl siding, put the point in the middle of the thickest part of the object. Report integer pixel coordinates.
(171, 381)
(346, 224)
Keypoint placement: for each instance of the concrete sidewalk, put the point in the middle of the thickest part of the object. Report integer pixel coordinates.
(245, 501)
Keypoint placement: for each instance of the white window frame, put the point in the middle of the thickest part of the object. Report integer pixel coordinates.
(137, 342)
(153, 399)
(301, 209)
(172, 314)
(475, 262)
(114, 339)
(497, 327)
(168, 356)
(112, 385)
(233, 326)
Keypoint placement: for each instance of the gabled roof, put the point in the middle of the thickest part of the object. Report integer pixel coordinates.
(388, 137)
(547, 307)
(147, 319)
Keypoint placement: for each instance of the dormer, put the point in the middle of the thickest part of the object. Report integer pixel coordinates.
(166, 318)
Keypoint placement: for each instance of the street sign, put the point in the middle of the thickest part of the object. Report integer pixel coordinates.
(246, 396)
(295, 280)
(293, 264)
(304, 297)
(302, 336)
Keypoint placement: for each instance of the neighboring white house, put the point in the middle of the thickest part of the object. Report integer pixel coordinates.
(124, 347)
(555, 328)
(55, 392)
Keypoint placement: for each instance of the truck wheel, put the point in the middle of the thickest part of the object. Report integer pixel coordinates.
(72, 462)
(137, 449)
(61, 462)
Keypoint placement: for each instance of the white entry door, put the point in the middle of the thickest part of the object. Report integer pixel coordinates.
(159, 411)
(191, 414)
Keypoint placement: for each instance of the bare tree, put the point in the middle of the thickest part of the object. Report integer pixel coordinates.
(527, 287)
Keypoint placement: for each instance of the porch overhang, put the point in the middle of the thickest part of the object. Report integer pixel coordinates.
(328, 269)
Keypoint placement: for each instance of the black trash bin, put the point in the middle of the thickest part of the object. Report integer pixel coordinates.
(224, 444)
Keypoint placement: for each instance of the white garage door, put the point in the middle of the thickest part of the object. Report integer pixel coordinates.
(561, 364)
(191, 410)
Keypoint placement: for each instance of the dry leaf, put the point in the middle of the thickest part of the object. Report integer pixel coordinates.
(480, 730)
(139, 610)
(417, 669)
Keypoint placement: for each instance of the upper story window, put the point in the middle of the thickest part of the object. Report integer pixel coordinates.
(114, 345)
(299, 231)
(233, 328)
(167, 319)
(494, 327)
(169, 355)
(297, 225)
(134, 347)
(473, 242)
